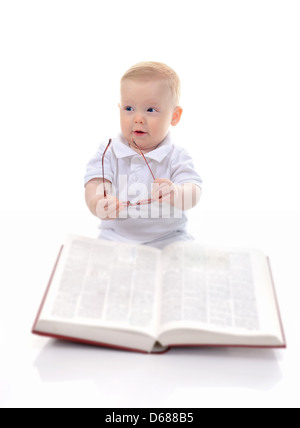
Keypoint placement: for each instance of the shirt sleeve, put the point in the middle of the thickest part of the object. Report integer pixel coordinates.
(183, 170)
(94, 167)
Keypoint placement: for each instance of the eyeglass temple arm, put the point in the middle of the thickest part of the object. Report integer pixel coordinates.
(103, 156)
(104, 190)
(144, 158)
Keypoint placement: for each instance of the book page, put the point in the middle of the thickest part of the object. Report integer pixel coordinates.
(105, 283)
(209, 286)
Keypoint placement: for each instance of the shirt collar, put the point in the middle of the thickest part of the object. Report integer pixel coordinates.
(122, 149)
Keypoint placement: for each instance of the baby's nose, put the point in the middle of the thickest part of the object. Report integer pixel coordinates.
(139, 119)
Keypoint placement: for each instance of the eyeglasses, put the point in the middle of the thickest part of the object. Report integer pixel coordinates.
(127, 204)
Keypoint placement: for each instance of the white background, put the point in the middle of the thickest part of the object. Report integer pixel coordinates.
(61, 62)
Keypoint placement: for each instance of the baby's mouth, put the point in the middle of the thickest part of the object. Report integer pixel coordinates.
(139, 133)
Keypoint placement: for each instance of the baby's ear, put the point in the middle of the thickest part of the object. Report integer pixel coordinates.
(176, 116)
(119, 105)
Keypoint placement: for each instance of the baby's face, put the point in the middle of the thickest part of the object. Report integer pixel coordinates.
(147, 110)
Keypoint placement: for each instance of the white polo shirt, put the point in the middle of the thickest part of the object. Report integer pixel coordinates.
(132, 181)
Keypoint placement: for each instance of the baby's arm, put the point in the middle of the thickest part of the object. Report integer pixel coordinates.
(184, 197)
(105, 208)
(189, 195)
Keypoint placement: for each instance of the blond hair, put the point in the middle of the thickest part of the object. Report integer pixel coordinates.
(155, 70)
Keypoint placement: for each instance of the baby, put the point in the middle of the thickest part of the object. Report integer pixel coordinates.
(139, 183)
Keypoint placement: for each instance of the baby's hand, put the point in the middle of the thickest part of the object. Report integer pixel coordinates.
(164, 190)
(108, 208)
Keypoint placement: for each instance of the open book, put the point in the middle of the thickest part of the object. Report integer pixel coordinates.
(140, 298)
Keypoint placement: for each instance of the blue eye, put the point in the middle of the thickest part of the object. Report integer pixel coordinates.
(151, 110)
(128, 108)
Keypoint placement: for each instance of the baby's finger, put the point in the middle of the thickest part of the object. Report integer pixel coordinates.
(106, 208)
(114, 209)
(163, 181)
(163, 192)
(155, 195)
(157, 190)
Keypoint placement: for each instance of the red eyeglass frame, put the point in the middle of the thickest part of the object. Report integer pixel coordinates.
(128, 203)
